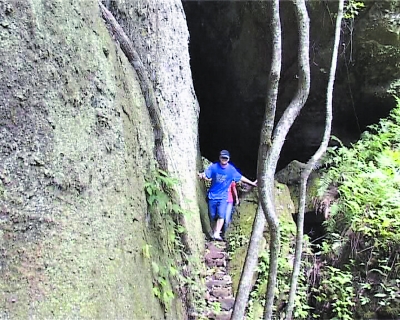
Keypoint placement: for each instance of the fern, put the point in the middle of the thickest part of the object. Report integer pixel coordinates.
(366, 217)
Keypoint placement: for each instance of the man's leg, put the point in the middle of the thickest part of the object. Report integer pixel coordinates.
(221, 211)
(212, 213)
(218, 227)
(228, 215)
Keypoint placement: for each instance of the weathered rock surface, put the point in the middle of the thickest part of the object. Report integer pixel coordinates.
(240, 231)
(76, 145)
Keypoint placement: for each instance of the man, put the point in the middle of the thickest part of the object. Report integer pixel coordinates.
(222, 174)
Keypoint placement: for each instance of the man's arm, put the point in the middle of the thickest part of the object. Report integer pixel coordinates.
(245, 180)
(206, 174)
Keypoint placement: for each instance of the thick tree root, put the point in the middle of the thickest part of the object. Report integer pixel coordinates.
(145, 84)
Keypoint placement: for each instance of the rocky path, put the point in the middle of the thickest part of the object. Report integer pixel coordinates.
(219, 297)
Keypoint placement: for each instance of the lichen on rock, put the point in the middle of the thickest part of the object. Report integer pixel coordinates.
(75, 147)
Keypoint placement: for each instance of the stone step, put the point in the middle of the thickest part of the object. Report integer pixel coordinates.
(227, 303)
(223, 315)
(216, 262)
(212, 254)
(221, 292)
(218, 282)
(216, 246)
(221, 274)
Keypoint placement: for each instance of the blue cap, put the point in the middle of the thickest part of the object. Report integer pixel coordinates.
(224, 153)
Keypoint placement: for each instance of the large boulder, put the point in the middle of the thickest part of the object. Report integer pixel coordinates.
(240, 231)
(76, 149)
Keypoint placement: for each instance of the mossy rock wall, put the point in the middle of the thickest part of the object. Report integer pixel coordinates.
(378, 50)
(291, 176)
(75, 147)
(243, 218)
(160, 34)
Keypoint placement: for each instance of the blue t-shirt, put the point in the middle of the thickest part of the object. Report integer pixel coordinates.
(221, 180)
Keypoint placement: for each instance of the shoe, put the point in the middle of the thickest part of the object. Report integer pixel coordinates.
(217, 237)
(210, 236)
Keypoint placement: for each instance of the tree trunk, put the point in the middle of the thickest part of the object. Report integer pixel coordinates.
(311, 164)
(270, 160)
(265, 144)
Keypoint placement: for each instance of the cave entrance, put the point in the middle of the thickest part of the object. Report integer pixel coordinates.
(230, 55)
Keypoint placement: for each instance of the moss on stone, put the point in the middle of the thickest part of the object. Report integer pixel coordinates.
(242, 224)
(76, 214)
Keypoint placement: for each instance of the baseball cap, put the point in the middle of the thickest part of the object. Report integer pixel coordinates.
(224, 153)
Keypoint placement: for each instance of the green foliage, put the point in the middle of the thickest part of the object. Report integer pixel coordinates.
(165, 273)
(236, 240)
(162, 288)
(195, 284)
(164, 216)
(368, 181)
(216, 306)
(364, 224)
(258, 291)
(257, 295)
(157, 191)
(336, 293)
(352, 8)
(181, 274)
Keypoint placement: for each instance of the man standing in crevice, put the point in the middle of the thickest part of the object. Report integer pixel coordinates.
(222, 174)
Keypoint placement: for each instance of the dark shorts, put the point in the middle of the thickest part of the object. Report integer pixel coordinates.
(217, 209)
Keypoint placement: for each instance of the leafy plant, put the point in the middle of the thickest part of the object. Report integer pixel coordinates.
(162, 288)
(181, 273)
(257, 300)
(236, 240)
(164, 220)
(157, 192)
(337, 293)
(352, 8)
(216, 306)
(364, 225)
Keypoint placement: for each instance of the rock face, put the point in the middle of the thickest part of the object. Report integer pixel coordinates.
(76, 145)
(376, 58)
(76, 142)
(240, 231)
(230, 48)
(160, 34)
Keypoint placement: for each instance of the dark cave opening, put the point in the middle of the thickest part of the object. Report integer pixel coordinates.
(313, 228)
(230, 55)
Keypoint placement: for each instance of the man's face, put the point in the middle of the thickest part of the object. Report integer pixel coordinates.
(223, 160)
